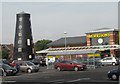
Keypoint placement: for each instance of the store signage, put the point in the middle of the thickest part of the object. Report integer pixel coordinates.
(100, 40)
(95, 55)
(99, 35)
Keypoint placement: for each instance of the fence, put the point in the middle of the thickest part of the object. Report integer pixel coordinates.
(50, 65)
(90, 62)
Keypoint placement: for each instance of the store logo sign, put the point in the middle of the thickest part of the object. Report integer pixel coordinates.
(99, 35)
(100, 40)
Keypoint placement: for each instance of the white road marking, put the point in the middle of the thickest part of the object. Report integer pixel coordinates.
(8, 81)
(57, 80)
(79, 79)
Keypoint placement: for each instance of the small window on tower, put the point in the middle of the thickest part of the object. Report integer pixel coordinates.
(19, 49)
(20, 19)
(19, 41)
(19, 34)
(28, 42)
(20, 26)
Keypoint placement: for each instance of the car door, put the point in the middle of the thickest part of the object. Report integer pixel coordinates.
(103, 61)
(68, 65)
(62, 65)
(23, 67)
(109, 61)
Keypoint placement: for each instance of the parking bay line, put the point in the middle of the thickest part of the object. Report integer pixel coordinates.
(80, 79)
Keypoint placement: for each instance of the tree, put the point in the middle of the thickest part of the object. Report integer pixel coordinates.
(5, 53)
(41, 44)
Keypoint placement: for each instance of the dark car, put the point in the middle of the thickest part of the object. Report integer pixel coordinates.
(12, 63)
(36, 62)
(17, 65)
(114, 74)
(69, 65)
(5, 61)
(8, 70)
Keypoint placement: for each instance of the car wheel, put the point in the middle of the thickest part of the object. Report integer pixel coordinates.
(113, 64)
(76, 68)
(114, 77)
(58, 68)
(29, 70)
(37, 70)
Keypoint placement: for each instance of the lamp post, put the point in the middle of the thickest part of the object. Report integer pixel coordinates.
(65, 40)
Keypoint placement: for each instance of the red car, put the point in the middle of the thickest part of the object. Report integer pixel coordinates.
(69, 65)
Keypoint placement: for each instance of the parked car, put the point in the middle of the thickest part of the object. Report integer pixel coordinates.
(8, 70)
(69, 65)
(11, 63)
(27, 66)
(36, 62)
(5, 61)
(114, 74)
(109, 61)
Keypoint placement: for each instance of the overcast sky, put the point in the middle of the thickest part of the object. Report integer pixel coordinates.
(51, 19)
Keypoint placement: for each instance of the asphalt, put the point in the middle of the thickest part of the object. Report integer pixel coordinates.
(52, 76)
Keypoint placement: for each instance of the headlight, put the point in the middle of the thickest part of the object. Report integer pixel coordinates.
(79, 65)
(33, 67)
(108, 72)
(9, 70)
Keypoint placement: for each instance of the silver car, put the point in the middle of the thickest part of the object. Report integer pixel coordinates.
(27, 66)
(109, 61)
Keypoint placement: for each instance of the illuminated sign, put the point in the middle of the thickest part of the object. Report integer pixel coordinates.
(100, 40)
(95, 55)
(99, 35)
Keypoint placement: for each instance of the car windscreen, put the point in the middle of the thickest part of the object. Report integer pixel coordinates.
(76, 61)
(29, 63)
(5, 66)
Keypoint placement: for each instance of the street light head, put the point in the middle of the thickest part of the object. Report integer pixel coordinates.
(65, 32)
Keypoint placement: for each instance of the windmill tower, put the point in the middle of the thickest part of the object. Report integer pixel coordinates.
(23, 42)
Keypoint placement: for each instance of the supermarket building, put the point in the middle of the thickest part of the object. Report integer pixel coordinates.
(100, 43)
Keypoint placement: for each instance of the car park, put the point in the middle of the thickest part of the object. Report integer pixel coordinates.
(114, 74)
(69, 65)
(7, 70)
(27, 66)
(109, 61)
